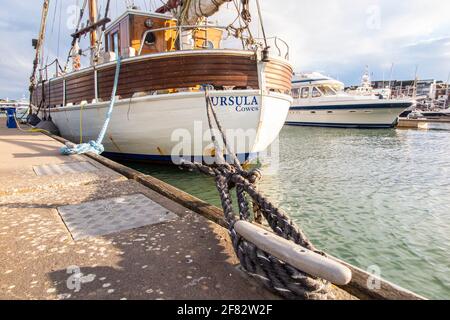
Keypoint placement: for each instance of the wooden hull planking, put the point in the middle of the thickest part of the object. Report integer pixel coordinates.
(169, 72)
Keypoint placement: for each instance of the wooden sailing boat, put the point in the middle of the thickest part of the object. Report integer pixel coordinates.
(168, 57)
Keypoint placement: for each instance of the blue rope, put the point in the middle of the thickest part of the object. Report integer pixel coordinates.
(97, 146)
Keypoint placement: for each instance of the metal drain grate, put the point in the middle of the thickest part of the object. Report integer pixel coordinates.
(113, 215)
(65, 168)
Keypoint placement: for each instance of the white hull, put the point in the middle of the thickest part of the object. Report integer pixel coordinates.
(162, 127)
(320, 101)
(358, 113)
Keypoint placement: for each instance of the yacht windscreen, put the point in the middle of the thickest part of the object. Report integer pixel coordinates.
(327, 91)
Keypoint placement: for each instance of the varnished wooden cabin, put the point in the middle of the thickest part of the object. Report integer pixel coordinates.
(128, 33)
(128, 30)
(156, 60)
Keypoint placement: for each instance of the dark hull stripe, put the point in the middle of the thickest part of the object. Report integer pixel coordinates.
(343, 125)
(165, 159)
(309, 80)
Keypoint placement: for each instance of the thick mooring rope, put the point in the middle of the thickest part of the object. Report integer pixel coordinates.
(276, 275)
(97, 145)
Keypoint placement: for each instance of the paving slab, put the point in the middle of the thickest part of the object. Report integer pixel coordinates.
(112, 215)
(64, 168)
(22, 153)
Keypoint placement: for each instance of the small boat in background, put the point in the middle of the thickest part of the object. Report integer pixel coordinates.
(321, 101)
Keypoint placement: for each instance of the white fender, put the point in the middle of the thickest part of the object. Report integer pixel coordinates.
(303, 259)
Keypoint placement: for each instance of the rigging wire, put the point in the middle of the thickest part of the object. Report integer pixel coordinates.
(59, 30)
(152, 5)
(54, 16)
(238, 30)
(107, 9)
(75, 39)
(262, 23)
(46, 46)
(102, 32)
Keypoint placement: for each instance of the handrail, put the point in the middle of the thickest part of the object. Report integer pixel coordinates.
(45, 68)
(180, 30)
(288, 49)
(50, 64)
(276, 40)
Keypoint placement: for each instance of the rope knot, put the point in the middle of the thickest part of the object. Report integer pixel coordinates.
(254, 176)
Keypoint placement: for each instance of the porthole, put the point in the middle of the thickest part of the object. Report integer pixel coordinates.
(149, 23)
(150, 38)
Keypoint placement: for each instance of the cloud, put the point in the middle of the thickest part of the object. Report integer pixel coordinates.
(335, 37)
(341, 37)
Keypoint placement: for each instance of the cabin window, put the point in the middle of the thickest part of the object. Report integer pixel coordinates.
(305, 93)
(115, 45)
(150, 39)
(316, 93)
(295, 93)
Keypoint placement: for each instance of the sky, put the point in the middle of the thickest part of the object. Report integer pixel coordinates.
(335, 37)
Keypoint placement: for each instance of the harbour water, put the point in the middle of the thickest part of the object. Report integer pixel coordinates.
(379, 199)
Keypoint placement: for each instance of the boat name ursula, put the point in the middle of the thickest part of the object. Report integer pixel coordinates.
(241, 104)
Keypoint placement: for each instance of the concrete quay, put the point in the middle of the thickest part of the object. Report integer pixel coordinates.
(42, 256)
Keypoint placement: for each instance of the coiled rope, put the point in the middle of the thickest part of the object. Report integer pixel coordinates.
(97, 146)
(275, 274)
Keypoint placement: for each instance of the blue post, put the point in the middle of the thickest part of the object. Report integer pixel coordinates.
(10, 121)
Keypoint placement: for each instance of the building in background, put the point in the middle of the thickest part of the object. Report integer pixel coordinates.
(429, 89)
(432, 89)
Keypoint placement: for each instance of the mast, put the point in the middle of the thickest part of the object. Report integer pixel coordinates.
(391, 75)
(93, 21)
(390, 81)
(38, 45)
(415, 82)
(447, 91)
(40, 41)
